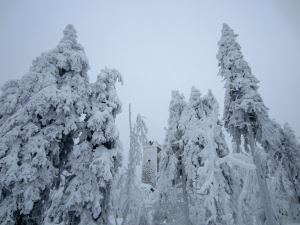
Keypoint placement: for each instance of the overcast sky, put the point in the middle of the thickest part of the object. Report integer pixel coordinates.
(159, 46)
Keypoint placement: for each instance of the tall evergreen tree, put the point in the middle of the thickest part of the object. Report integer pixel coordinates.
(283, 170)
(204, 144)
(291, 159)
(173, 141)
(191, 182)
(59, 144)
(244, 110)
(138, 139)
(169, 209)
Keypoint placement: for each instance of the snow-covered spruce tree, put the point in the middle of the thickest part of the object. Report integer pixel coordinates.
(173, 142)
(222, 190)
(211, 108)
(133, 201)
(204, 144)
(282, 162)
(291, 160)
(191, 182)
(169, 207)
(59, 147)
(194, 141)
(244, 111)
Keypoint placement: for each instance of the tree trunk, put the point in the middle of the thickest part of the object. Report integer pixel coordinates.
(264, 191)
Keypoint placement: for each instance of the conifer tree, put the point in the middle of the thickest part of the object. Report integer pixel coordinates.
(204, 144)
(244, 110)
(291, 159)
(282, 165)
(60, 148)
(138, 138)
(169, 166)
(191, 183)
(173, 141)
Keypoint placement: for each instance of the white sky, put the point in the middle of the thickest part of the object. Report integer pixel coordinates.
(159, 46)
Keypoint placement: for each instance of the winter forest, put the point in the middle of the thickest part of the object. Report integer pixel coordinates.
(62, 161)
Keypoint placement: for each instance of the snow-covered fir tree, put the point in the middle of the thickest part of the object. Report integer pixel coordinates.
(191, 181)
(204, 143)
(173, 142)
(244, 110)
(130, 198)
(169, 206)
(133, 203)
(291, 160)
(282, 163)
(60, 148)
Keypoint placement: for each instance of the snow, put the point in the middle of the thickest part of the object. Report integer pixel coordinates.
(60, 153)
(236, 159)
